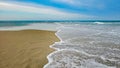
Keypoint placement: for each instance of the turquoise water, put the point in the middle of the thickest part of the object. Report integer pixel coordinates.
(92, 22)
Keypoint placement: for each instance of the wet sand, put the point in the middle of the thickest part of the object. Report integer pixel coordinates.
(26, 48)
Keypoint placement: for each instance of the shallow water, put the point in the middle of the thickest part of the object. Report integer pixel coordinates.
(86, 46)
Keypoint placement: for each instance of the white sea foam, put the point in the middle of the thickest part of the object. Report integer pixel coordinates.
(86, 46)
(73, 59)
(99, 23)
(107, 23)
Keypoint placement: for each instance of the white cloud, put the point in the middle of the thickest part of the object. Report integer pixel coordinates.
(25, 8)
(49, 12)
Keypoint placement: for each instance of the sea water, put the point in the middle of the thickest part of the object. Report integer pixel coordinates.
(82, 44)
(86, 45)
(26, 25)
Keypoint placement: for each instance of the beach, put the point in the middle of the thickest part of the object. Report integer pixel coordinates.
(60, 45)
(25, 48)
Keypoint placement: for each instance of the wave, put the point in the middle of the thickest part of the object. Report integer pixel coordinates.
(86, 46)
(99, 23)
(107, 23)
(75, 59)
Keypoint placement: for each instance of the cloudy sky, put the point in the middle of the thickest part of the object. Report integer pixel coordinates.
(59, 9)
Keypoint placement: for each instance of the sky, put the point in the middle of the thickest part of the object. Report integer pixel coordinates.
(59, 10)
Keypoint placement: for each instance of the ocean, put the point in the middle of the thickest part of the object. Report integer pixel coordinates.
(83, 44)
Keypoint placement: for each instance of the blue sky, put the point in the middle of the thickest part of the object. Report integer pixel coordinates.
(59, 9)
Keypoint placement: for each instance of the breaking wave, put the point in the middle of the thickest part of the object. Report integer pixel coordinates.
(86, 46)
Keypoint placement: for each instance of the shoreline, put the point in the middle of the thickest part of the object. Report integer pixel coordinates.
(26, 48)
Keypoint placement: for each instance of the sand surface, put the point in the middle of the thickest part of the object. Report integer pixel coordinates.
(25, 49)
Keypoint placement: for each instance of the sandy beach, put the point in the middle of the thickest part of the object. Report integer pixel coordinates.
(26, 48)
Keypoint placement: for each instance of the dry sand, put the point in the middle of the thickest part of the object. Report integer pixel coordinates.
(25, 49)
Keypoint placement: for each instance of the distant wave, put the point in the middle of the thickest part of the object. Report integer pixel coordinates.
(99, 23)
(107, 23)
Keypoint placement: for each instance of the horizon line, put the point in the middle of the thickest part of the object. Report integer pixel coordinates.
(62, 20)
